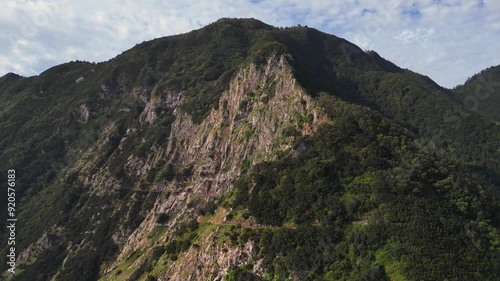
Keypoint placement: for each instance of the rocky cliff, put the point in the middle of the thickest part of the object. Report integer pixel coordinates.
(241, 151)
(243, 129)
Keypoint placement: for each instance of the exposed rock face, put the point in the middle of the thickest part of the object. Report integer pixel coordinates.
(82, 114)
(139, 179)
(35, 249)
(247, 126)
(210, 261)
(79, 80)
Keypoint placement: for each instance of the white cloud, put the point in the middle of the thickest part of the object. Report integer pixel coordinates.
(418, 36)
(447, 40)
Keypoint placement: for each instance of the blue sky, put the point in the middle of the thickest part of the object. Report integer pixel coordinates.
(448, 40)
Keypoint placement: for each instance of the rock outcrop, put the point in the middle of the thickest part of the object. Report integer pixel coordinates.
(246, 126)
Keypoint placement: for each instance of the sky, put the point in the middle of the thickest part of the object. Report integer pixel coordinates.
(447, 40)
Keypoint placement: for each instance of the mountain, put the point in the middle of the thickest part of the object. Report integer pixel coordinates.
(481, 93)
(241, 151)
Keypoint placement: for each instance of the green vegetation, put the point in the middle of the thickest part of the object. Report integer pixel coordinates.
(370, 205)
(202, 62)
(147, 265)
(401, 184)
(241, 274)
(46, 265)
(162, 218)
(481, 93)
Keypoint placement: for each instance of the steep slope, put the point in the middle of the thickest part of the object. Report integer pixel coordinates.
(481, 93)
(241, 151)
(370, 205)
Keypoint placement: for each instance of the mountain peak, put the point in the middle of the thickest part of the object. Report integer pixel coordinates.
(199, 154)
(11, 75)
(246, 22)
